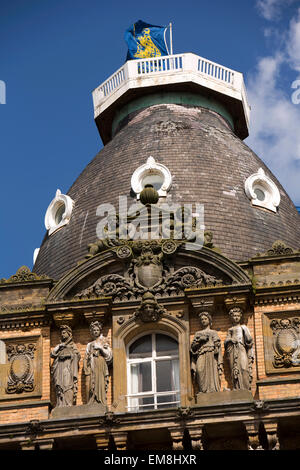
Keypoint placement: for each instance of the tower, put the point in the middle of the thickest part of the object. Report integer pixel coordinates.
(200, 334)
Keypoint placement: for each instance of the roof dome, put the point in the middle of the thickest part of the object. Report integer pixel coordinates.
(209, 164)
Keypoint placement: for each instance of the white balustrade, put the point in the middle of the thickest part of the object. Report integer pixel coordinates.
(133, 71)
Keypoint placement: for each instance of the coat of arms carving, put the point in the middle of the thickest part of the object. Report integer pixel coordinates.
(21, 370)
(286, 342)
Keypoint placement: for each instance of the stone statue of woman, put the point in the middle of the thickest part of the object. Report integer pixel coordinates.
(98, 355)
(239, 349)
(207, 364)
(64, 369)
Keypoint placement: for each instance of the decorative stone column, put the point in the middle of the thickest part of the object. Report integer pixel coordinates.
(45, 444)
(252, 428)
(102, 441)
(177, 437)
(120, 438)
(196, 433)
(27, 445)
(271, 430)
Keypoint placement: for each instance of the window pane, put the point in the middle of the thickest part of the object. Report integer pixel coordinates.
(59, 214)
(142, 347)
(169, 399)
(148, 403)
(260, 194)
(165, 344)
(164, 376)
(141, 378)
(156, 179)
(167, 375)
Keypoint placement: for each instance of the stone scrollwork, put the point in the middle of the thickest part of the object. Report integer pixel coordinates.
(148, 271)
(112, 285)
(286, 342)
(21, 368)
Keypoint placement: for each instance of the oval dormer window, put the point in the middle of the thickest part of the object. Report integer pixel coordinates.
(153, 173)
(262, 191)
(59, 212)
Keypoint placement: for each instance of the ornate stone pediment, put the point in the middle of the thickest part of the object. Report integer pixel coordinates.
(161, 267)
(279, 248)
(148, 272)
(23, 274)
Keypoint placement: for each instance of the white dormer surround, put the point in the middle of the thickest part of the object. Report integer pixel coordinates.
(59, 212)
(151, 168)
(262, 191)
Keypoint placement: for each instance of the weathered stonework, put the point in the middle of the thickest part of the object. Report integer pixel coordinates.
(246, 392)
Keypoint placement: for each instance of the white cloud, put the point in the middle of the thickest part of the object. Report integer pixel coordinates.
(275, 120)
(293, 43)
(271, 9)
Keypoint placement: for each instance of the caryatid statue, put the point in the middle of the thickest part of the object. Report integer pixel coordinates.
(98, 355)
(207, 364)
(239, 349)
(64, 369)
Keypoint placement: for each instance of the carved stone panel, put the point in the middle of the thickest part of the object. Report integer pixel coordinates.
(282, 342)
(23, 376)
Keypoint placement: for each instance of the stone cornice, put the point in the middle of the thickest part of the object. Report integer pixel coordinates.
(196, 415)
(269, 259)
(277, 293)
(24, 319)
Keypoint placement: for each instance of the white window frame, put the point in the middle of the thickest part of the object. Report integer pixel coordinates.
(150, 167)
(261, 181)
(131, 407)
(59, 199)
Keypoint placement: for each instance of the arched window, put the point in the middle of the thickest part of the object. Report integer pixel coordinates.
(153, 373)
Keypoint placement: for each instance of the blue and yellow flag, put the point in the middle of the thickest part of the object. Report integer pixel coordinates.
(145, 40)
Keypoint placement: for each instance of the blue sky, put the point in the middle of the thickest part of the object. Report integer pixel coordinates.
(54, 53)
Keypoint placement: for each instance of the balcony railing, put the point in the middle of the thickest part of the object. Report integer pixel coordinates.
(172, 70)
(135, 69)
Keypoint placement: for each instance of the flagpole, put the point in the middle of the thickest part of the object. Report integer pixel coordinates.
(171, 39)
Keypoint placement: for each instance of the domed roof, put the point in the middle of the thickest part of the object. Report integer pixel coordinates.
(209, 164)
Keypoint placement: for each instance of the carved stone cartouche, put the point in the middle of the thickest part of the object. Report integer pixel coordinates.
(286, 342)
(21, 370)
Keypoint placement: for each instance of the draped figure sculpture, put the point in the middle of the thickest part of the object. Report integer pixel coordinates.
(98, 355)
(207, 364)
(64, 369)
(239, 349)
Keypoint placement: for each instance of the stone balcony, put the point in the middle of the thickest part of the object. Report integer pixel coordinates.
(180, 73)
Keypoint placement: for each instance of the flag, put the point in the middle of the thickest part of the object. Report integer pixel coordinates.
(145, 40)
